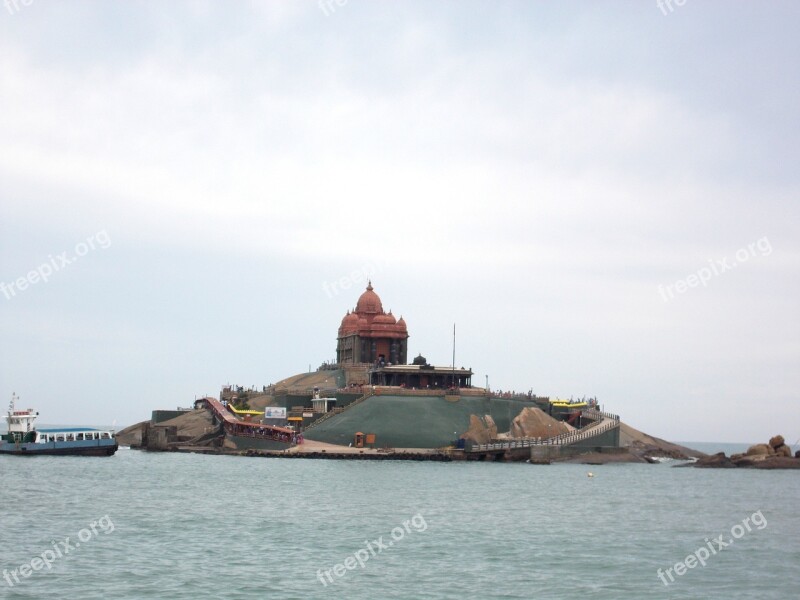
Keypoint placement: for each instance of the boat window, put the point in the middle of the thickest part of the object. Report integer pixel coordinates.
(60, 438)
(70, 437)
(97, 435)
(79, 437)
(105, 435)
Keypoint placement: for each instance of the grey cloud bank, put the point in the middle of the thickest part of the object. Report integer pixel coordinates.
(533, 172)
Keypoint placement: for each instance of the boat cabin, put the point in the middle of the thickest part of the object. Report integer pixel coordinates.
(72, 435)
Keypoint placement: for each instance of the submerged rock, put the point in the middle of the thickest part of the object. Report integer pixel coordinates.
(778, 462)
(715, 461)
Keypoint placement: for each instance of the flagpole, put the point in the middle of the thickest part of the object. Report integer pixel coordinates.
(454, 355)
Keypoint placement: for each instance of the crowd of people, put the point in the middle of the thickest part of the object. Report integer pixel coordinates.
(278, 435)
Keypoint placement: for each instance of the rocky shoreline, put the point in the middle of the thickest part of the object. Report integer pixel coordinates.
(773, 455)
(195, 432)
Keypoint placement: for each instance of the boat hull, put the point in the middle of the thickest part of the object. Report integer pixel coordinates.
(86, 448)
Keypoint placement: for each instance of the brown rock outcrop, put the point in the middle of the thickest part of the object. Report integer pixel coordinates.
(534, 422)
(132, 436)
(780, 447)
(191, 424)
(774, 455)
(777, 462)
(748, 460)
(189, 428)
(777, 441)
(481, 429)
(647, 445)
(760, 449)
(715, 461)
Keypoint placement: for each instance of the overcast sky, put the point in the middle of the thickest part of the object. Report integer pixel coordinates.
(603, 196)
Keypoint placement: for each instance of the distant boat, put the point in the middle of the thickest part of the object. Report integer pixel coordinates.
(24, 439)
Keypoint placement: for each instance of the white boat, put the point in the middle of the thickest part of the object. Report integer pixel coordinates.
(24, 439)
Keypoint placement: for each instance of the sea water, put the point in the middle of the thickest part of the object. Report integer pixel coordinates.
(144, 525)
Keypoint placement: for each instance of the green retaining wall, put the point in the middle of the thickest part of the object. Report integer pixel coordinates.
(158, 416)
(290, 400)
(608, 438)
(297, 400)
(414, 421)
(345, 398)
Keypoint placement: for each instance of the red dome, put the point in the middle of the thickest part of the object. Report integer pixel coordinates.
(384, 319)
(369, 302)
(349, 323)
(367, 332)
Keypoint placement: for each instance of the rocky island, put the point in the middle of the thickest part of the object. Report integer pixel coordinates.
(773, 455)
(370, 404)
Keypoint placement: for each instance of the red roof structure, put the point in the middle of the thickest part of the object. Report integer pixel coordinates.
(370, 335)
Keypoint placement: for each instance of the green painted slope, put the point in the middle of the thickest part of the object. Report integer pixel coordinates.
(413, 421)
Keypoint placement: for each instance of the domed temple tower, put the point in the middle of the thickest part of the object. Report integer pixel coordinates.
(368, 335)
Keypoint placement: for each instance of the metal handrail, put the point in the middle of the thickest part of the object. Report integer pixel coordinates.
(340, 410)
(609, 421)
